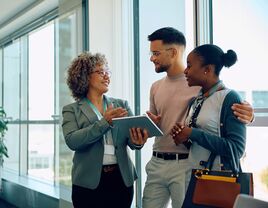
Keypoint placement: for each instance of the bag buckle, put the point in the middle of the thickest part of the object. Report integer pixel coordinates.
(198, 173)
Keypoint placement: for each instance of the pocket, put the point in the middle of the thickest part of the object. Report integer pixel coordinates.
(148, 167)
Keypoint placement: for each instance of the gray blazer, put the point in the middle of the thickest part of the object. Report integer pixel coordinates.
(83, 133)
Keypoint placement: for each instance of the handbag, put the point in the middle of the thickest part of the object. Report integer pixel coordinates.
(210, 188)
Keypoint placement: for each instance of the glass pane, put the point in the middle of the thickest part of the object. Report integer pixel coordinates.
(68, 45)
(260, 98)
(41, 151)
(1, 76)
(41, 74)
(245, 31)
(41, 103)
(12, 143)
(254, 159)
(155, 14)
(67, 37)
(11, 93)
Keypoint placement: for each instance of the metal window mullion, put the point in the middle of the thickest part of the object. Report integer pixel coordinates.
(85, 25)
(23, 129)
(136, 45)
(203, 21)
(55, 107)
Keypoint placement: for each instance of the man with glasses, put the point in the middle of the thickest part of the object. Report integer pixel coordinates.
(169, 99)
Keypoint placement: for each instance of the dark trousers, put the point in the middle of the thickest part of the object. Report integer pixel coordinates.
(111, 192)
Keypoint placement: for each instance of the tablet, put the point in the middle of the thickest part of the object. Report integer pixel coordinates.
(142, 121)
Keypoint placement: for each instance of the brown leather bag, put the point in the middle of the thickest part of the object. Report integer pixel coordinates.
(216, 188)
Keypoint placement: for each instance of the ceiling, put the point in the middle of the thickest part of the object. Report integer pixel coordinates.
(9, 9)
(17, 13)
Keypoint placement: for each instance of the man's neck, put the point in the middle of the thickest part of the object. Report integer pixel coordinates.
(175, 69)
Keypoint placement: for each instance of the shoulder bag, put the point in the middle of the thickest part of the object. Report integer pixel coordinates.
(209, 188)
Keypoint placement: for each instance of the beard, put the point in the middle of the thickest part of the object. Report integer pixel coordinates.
(162, 68)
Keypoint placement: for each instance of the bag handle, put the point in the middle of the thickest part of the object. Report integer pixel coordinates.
(233, 162)
(209, 163)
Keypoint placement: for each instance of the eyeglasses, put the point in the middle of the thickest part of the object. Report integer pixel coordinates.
(103, 73)
(158, 53)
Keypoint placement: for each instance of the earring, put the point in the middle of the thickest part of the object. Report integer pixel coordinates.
(205, 73)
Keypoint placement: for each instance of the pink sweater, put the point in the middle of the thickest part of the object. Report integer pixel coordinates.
(169, 97)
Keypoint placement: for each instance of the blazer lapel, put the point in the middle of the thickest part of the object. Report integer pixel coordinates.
(108, 100)
(114, 129)
(88, 111)
(114, 134)
(90, 114)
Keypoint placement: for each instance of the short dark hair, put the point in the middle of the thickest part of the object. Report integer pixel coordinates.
(79, 71)
(212, 54)
(168, 35)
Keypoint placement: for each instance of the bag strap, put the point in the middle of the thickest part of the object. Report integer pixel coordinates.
(209, 163)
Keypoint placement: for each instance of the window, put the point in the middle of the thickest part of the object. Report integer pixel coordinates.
(68, 46)
(34, 92)
(260, 98)
(41, 102)
(1, 76)
(245, 31)
(11, 102)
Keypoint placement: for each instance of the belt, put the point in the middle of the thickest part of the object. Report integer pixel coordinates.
(170, 156)
(109, 168)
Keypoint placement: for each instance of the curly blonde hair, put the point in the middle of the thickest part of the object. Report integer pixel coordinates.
(79, 71)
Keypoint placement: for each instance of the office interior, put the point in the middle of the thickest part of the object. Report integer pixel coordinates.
(38, 40)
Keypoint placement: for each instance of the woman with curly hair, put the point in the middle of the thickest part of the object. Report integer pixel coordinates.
(102, 173)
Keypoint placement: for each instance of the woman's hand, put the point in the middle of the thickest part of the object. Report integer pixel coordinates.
(112, 112)
(138, 136)
(180, 133)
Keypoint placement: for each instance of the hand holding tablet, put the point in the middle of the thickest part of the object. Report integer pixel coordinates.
(141, 121)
